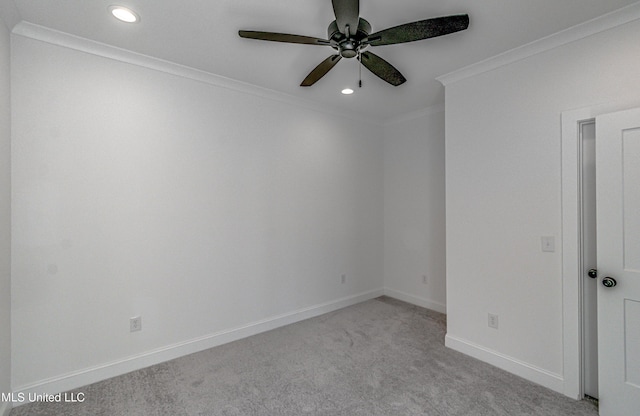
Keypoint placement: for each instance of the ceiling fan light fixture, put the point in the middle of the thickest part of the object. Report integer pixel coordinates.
(347, 91)
(124, 14)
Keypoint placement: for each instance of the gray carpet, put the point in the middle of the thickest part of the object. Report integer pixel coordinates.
(381, 357)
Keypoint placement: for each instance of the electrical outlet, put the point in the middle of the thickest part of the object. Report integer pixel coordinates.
(493, 321)
(135, 324)
(548, 244)
(424, 279)
(343, 279)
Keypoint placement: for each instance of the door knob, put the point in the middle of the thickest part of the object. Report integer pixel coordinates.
(592, 273)
(609, 282)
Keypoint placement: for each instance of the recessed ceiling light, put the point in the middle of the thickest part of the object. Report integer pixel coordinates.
(124, 14)
(347, 91)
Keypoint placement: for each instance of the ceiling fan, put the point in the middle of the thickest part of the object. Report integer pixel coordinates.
(350, 35)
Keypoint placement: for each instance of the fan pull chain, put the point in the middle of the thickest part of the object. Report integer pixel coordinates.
(359, 70)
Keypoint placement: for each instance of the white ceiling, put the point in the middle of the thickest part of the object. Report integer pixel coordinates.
(203, 34)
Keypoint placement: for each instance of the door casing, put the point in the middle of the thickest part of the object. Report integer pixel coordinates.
(588, 286)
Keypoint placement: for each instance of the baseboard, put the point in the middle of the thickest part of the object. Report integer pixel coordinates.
(520, 368)
(5, 408)
(416, 300)
(105, 371)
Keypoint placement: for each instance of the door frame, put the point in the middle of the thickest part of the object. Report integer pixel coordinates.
(572, 240)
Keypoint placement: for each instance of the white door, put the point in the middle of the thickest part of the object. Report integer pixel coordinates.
(618, 213)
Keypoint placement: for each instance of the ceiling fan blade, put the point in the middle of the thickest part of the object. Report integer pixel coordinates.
(347, 14)
(423, 29)
(382, 68)
(283, 37)
(321, 70)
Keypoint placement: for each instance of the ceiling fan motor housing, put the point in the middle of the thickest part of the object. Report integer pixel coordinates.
(348, 46)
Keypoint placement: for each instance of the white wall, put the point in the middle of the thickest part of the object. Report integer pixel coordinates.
(414, 209)
(198, 207)
(5, 215)
(504, 192)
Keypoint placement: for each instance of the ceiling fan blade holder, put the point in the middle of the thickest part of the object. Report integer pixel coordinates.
(423, 29)
(283, 37)
(321, 70)
(347, 14)
(382, 69)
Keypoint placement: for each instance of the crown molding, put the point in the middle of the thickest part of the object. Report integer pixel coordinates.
(591, 27)
(69, 41)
